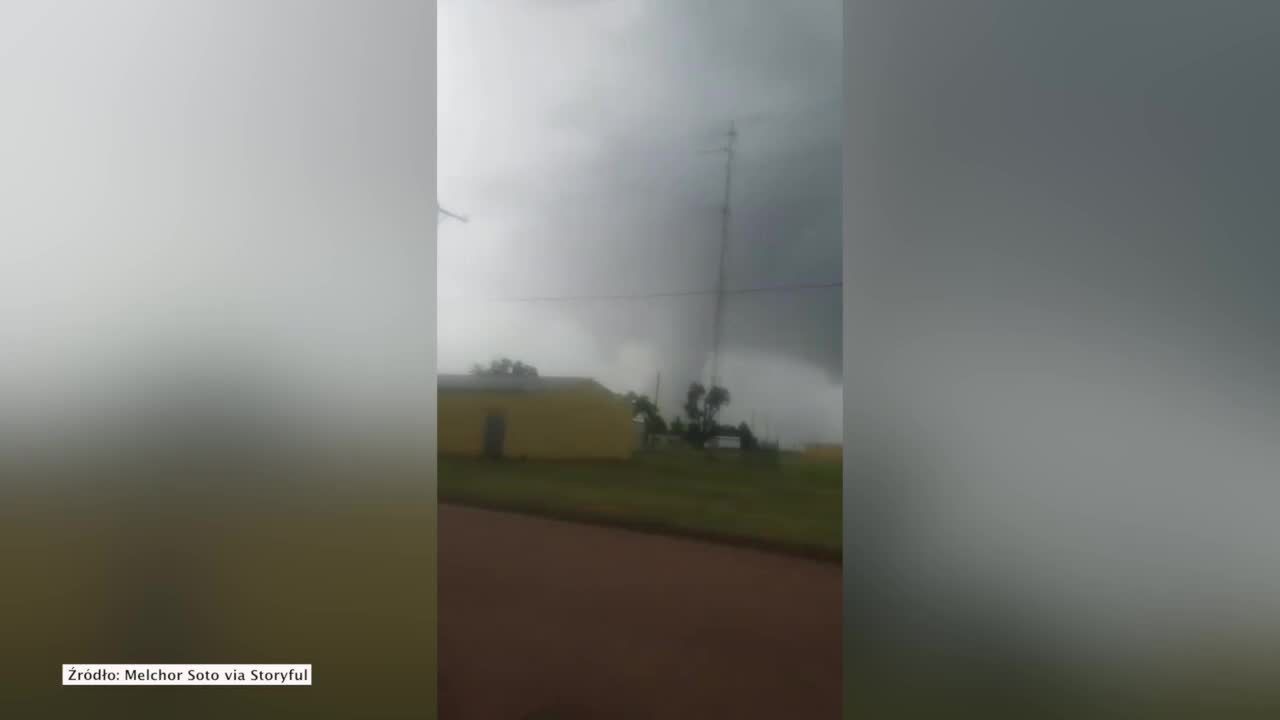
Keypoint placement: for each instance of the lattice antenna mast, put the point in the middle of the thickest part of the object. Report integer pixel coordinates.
(726, 213)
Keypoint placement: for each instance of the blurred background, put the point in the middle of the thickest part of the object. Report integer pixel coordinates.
(1061, 400)
(217, 328)
(1059, 330)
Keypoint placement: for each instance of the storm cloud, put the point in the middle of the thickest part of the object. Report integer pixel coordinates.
(1062, 299)
(580, 138)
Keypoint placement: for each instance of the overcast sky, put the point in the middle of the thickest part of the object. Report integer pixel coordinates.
(216, 180)
(574, 134)
(1063, 294)
(231, 181)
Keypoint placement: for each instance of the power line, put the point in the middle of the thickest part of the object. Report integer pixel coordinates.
(650, 295)
(787, 113)
(446, 213)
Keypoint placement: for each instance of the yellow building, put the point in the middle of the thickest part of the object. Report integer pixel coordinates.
(533, 418)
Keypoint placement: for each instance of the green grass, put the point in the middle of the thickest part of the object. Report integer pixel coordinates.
(794, 507)
(336, 571)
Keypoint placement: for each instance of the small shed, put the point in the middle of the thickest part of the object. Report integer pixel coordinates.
(533, 417)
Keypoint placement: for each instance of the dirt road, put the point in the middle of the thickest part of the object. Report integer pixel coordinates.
(545, 619)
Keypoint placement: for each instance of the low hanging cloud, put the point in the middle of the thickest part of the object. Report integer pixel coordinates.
(581, 138)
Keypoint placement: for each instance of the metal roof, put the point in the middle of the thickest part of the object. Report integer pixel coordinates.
(508, 383)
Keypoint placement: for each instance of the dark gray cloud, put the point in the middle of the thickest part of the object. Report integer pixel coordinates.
(589, 171)
(1062, 293)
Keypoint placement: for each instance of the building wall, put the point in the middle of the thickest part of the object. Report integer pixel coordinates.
(575, 423)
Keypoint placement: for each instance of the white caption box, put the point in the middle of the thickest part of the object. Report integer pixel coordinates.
(96, 674)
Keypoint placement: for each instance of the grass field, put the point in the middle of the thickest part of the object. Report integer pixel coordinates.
(337, 572)
(794, 507)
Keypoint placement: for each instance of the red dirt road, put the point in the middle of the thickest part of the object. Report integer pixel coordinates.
(546, 619)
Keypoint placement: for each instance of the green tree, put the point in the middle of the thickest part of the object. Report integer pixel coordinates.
(644, 408)
(693, 403)
(702, 407)
(716, 399)
(693, 411)
(505, 367)
(677, 426)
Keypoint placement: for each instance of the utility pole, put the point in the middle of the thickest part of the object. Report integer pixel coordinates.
(657, 404)
(718, 322)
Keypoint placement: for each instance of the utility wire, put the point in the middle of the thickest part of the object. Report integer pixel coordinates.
(649, 295)
(441, 211)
